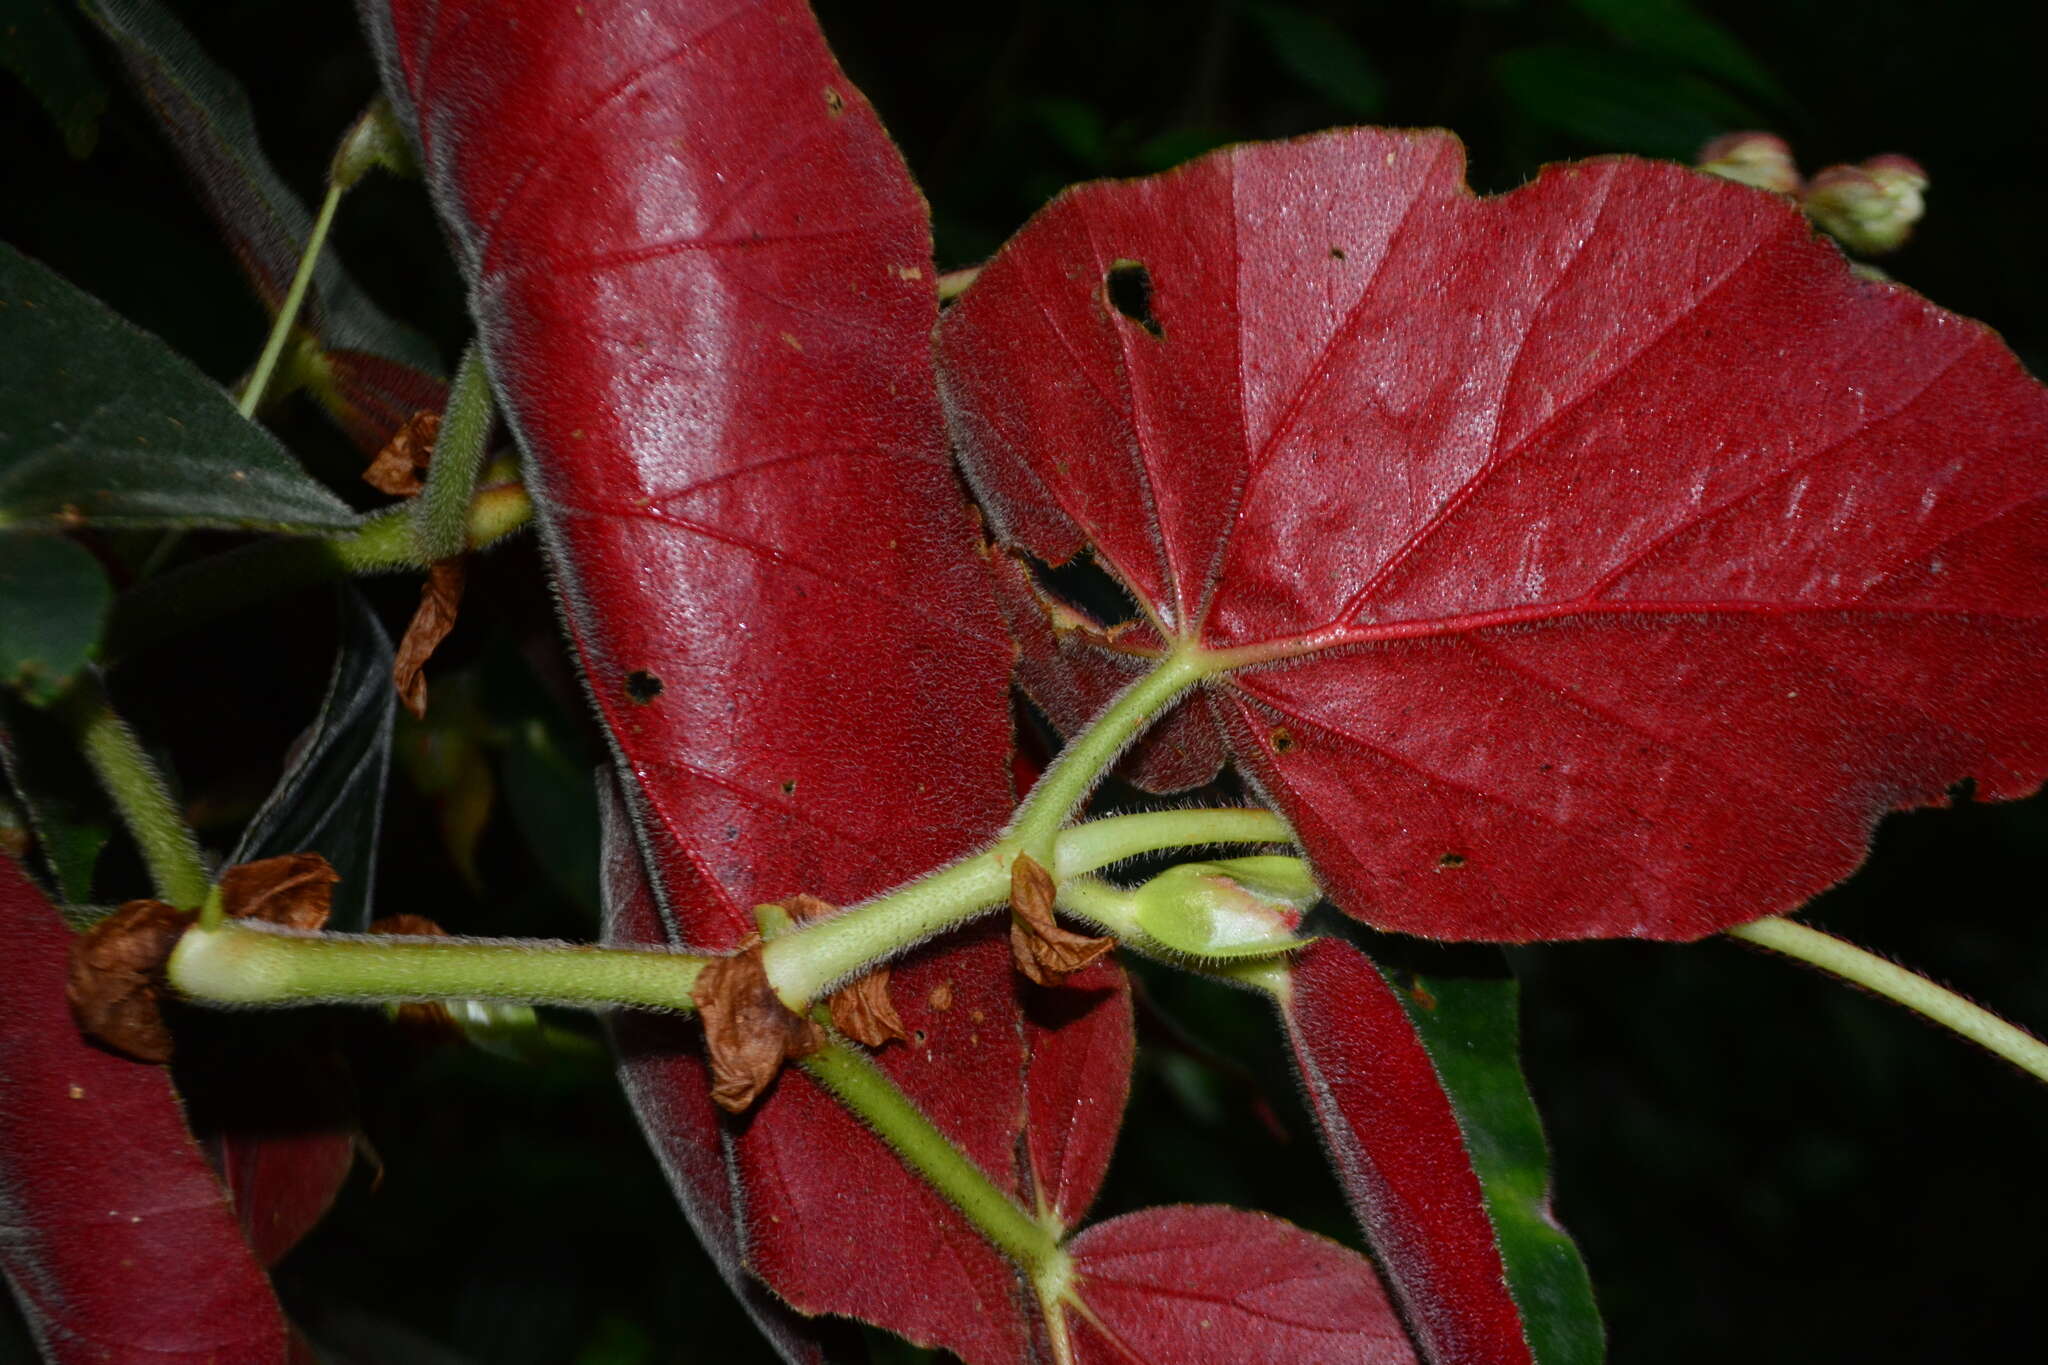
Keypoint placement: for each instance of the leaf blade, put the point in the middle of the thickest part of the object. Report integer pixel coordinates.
(106, 425)
(1555, 532)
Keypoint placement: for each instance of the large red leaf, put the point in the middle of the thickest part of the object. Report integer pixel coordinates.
(1604, 558)
(1398, 1148)
(116, 1237)
(1213, 1286)
(703, 280)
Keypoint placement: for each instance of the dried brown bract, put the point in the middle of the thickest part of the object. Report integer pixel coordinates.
(116, 986)
(1044, 951)
(749, 1032)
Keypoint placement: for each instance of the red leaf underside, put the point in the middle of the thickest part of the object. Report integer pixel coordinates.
(115, 1235)
(1196, 1285)
(1604, 558)
(1400, 1153)
(704, 283)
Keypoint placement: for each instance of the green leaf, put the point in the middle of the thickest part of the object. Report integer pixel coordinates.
(1322, 57)
(42, 50)
(1465, 1007)
(1678, 33)
(206, 114)
(102, 423)
(53, 599)
(330, 800)
(1613, 102)
(65, 810)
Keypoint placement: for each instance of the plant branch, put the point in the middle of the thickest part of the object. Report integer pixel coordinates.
(138, 792)
(288, 312)
(861, 1087)
(811, 959)
(442, 510)
(1079, 766)
(1888, 979)
(243, 963)
(213, 587)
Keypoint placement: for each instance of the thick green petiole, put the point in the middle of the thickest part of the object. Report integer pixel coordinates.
(131, 781)
(862, 1088)
(1079, 766)
(1888, 979)
(239, 963)
(809, 961)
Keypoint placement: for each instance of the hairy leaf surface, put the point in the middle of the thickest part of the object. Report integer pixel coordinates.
(703, 281)
(371, 373)
(1598, 559)
(118, 1241)
(1199, 1285)
(104, 424)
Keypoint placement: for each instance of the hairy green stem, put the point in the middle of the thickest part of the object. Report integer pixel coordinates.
(213, 587)
(288, 312)
(240, 963)
(808, 961)
(1894, 982)
(1081, 764)
(441, 512)
(138, 792)
(862, 1088)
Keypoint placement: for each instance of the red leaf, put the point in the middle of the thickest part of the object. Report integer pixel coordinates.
(1397, 1146)
(114, 1234)
(285, 1140)
(1605, 558)
(1193, 1285)
(704, 281)
(665, 1075)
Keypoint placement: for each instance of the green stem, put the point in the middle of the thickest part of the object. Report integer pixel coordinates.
(1894, 982)
(287, 315)
(213, 587)
(1098, 843)
(239, 963)
(441, 513)
(138, 792)
(862, 1088)
(1082, 763)
(810, 960)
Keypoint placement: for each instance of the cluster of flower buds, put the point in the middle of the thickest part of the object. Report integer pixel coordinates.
(1870, 209)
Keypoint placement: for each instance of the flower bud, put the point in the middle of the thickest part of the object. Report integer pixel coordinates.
(1239, 907)
(1759, 159)
(1870, 209)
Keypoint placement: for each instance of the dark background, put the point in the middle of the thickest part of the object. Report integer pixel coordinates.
(1756, 1161)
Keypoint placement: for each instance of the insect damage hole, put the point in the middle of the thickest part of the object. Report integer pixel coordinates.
(642, 686)
(1129, 286)
(1450, 860)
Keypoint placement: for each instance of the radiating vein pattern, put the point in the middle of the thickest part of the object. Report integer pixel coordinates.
(1602, 558)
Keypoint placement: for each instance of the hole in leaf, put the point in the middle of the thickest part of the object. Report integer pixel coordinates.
(1083, 584)
(642, 686)
(1129, 285)
(1451, 860)
(1962, 793)
(1336, 253)
(789, 787)
(1282, 739)
(835, 103)
(918, 1036)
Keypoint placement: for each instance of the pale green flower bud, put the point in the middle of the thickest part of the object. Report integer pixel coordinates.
(1759, 159)
(1870, 209)
(1239, 907)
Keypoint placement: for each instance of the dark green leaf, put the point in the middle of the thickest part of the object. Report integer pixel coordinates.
(330, 800)
(1678, 33)
(38, 45)
(205, 113)
(64, 809)
(1322, 57)
(1469, 1023)
(102, 423)
(1613, 102)
(53, 598)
